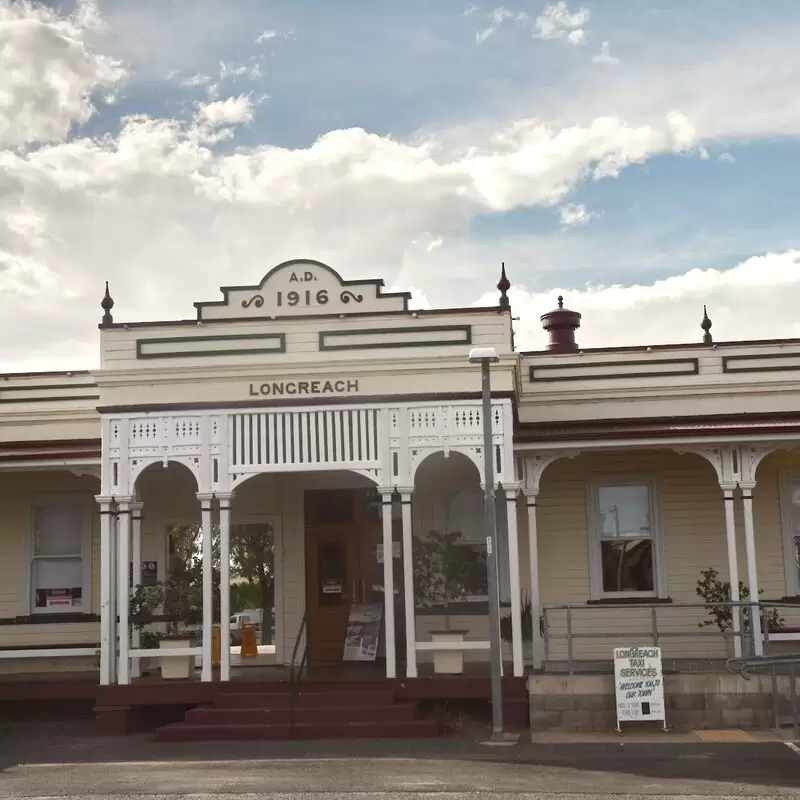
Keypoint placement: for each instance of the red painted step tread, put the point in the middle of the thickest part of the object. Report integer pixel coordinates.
(210, 715)
(182, 732)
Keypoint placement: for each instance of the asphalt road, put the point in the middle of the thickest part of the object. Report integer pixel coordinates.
(54, 763)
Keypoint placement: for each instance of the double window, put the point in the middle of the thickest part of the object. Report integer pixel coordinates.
(60, 569)
(626, 553)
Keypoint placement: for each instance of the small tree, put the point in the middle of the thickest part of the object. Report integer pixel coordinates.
(253, 560)
(716, 592)
(445, 570)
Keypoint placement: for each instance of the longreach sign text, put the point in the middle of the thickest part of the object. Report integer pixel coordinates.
(290, 388)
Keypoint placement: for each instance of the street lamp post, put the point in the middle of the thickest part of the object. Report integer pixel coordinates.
(485, 356)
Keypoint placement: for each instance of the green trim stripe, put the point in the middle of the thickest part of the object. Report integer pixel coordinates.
(55, 398)
(278, 345)
(729, 363)
(461, 335)
(666, 367)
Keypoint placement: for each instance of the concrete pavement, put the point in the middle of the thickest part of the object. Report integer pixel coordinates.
(52, 761)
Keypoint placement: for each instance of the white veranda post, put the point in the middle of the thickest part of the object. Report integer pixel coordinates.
(123, 586)
(107, 615)
(225, 585)
(408, 586)
(752, 571)
(733, 569)
(537, 642)
(514, 583)
(136, 559)
(388, 583)
(208, 588)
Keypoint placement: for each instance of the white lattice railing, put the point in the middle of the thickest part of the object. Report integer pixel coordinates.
(458, 420)
(303, 438)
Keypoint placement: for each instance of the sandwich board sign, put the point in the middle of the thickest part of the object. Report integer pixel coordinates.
(639, 685)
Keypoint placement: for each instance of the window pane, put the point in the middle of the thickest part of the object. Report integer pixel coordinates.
(58, 530)
(624, 511)
(466, 516)
(58, 583)
(627, 565)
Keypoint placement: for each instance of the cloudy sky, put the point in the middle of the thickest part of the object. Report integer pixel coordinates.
(639, 156)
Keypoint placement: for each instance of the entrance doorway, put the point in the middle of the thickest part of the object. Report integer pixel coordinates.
(344, 566)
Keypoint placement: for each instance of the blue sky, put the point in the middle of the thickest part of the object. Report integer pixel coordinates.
(639, 156)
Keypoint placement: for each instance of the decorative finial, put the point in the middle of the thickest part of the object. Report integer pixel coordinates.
(706, 326)
(504, 284)
(107, 303)
(560, 301)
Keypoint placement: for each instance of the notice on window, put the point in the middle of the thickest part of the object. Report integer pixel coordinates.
(639, 685)
(58, 598)
(363, 632)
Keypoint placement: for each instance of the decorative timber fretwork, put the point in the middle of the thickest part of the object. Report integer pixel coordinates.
(383, 443)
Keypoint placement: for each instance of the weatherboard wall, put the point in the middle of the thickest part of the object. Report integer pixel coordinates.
(20, 625)
(660, 382)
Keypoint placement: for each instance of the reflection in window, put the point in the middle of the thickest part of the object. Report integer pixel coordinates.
(626, 539)
(58, 561)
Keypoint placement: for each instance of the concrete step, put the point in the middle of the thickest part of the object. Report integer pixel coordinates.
(306, 698)
(411, 729)
(400, 712)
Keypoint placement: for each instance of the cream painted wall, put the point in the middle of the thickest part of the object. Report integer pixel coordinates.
(18, 492)
(693, 525)
(761, 377)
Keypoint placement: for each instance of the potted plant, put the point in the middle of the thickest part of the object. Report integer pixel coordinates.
(506, 633)
(447, 571)
(716, 593)
(183, 611)
(141, 613)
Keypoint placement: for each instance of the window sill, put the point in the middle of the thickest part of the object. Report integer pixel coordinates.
(49, 619)
(630, 601)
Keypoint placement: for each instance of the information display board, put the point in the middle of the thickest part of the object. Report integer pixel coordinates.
(639, 685)
(363, 632)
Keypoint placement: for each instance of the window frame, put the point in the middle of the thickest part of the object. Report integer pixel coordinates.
(84, 504)
(790, 571)
(596, 591)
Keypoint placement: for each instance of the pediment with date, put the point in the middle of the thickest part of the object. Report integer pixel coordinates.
(303, 288)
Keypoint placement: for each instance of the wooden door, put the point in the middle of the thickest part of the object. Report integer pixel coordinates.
(333, 583)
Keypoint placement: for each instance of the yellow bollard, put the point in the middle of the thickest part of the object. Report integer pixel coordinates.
(249, 643)
(216, 650)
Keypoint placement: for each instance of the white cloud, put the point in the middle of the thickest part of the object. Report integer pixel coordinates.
(230, 70)
(167, 217)
(266, 36)
(573, 214)
(604, 56)
(232, 111)
(670, 310)
(727, 158)
(197, 80)
(419, 300)
(557, 22)
(498, 17)
(48, 74)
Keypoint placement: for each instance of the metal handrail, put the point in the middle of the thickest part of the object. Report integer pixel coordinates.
(792, 661)
(653, 633)
(295, 677)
